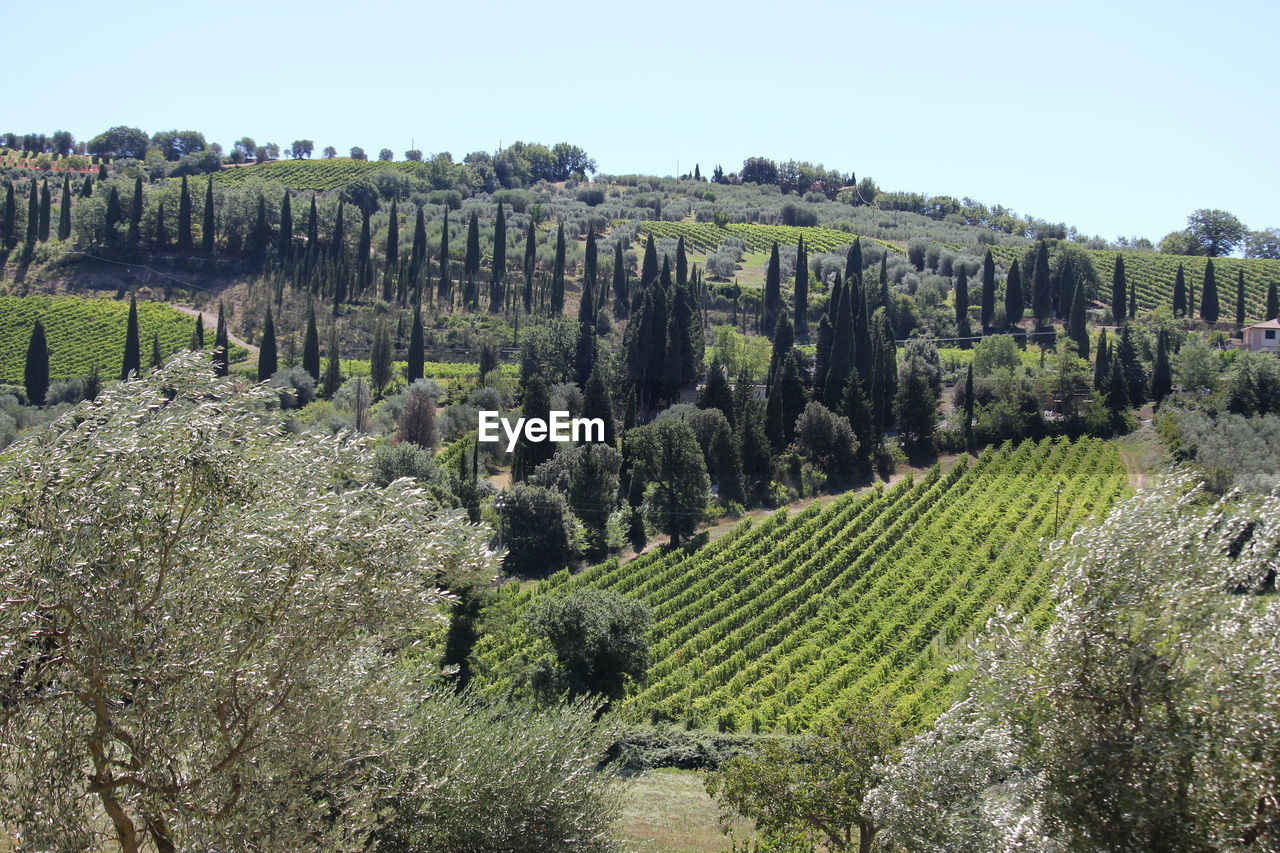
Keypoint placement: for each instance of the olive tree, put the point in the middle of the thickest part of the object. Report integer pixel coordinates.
(198, 614)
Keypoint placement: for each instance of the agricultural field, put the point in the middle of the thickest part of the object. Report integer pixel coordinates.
(871, 596)
(308, 174)
(706, 237)
(1152, 275)
(83, 332)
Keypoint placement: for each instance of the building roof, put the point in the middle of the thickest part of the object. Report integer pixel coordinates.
(1266, 324)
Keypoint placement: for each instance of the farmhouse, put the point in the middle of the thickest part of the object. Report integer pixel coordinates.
(1263, 337)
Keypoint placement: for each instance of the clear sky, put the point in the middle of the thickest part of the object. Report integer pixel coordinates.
(1118, 118)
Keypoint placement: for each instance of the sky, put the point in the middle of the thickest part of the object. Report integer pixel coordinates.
(1117, 118)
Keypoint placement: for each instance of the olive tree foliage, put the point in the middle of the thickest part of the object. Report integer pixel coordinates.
(1147, 717)
(197, 611)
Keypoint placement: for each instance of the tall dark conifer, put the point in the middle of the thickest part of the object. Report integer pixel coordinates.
(64, 210)
(184, 218)
(1101, 363)
(337, 247)
(444, 290)
(529, 265)
(9, 237)
(557, 275)
(221, 346)
(197, 334)
(621, 289)
(35, 371)
(1161, 375)
(772, 292)
(842, 359)
(498, 274)
(590, 279)
(261, 233)
(1273, 301)
(267, 358)
(1179, 293)
(364, 254)
(1209, 307)
(311, 346)
(1076, 325)
(1041, 295)
(157, 358)
(822, 358)
(132, 361)
(471, 263)
(161, 239)
(209, 226)
(988, 291)
(1119, 291)
(415, 367)
(113, 214)
(649, 265)
(285, 245)
(33, 212)
(1013, 298)
(801, 292)
(418, 255)
(962, 304)
(333, 364)
(46, 211)
(1240, 298)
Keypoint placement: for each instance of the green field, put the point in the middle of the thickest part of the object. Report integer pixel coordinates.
(309, 174)
(1152, 274)
(707, 237)
(83, 332)
(871, 596)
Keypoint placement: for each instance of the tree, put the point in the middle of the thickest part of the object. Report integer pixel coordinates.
(46, 211)
(1119, 290)
(9, 235)
(1179, 293)
(817, 787)
(1240, 299)
(185, 646)
(538, 529)
(665, 456)
(649, 265)
(962, 304)
(157, 357)
(557, 274)
(416, 357)
(333, 366)
(988, 290)
(1209, 307)
(111, 219)
(497, 293)
(530, 264)
(801, 292)
(285, 246)
(535, 403)
(471, 264)
(715, 392)
(208, 229)
(33, 213)
(135, 216)
(301, 148)
(1077, 327)
(444, 291)
(380, 358)
(1041, 295)
(1161, 376)
(1013, 299)
(386, 155)
(772, 292)
(1131, 366)
(64, 210)
(197, 335)
(267, 361)
(417, 423)
(596, 403)
(599, 643)
(311, 346)
(119, 142)
(1101, 363)
(35, 370)
(185, 243)
(221, 346)
(1262, 244)
(357, 153)
(1273, 301)
(1214, 232)
(330, 152)
(131, 364)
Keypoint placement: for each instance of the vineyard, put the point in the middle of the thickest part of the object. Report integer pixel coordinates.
(872, 596)
(84, 332)
(706, 237)
(1152, 276)
(308, 174)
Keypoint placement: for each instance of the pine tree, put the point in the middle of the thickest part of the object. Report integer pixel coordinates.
(772, 292)
(333, 367)
(682, 263)
(590, 286)
(649, 266)
(1126, 356)
(209, 228)
(884, 373)
(962, 304)
(415, 368)
(1076, 326)
(471, 264)
(988, 290)
(968, 403)
(1117, 394)
(313, 231)
(1240, 299)
(221, 346)
(530, 264)
(557, 275)
(1179, 293)
(311, 346)
(842, 359)
(197, 335)
(715, 392)
(267, 360)
(364, 254)
(9, 237)
(86, 188)
(156, 358)
(853, 261)
(33, 212)
(135, 215)
(338, 247)
(1161, 375)
(1209, 308)
(444, 290)
(1013, 299)
(35, 372)
(1273, 301)
(596, 404)
(801, 292)
(1119, 290)
(64, 210)
(1041, 295)
(184, 217)
(46, 211)
(417, 253)
(380, 358)
(132, 361)
(393, 250)
(285, 246)
(1101, 362)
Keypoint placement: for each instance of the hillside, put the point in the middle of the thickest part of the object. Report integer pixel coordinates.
(871, 596)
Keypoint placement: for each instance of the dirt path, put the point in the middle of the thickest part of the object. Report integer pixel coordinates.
(211, 325)
(1143, 454)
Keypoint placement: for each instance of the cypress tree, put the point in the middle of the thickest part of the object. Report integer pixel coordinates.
(801, 292)
(113, 213)
(534, 403)
(333, 366)
(1161, 375)
(285, 246)
(380, 358)
(132, 361)
(184, 217)
(86, 188)
(1077, 328)
(794, 397)
(64, 210)
(968, 401)
(415, 368)
(621, 296)
(135, 215)
(856, 291)
(590, 285)
(1179, 293)
(530, 263)
(33, 211)
(988, 290)
(1273, 301)
(35, 372)
(1013, 299)
(1126, 356)
(649, 266)
(1209, 308)
(842, 359)
(884, 374)
(596, 404)
(822, 358)
(393, 252)
(1240, 306)
(221, 351)
(584, 359)
(364, 253)
(197, 335)
(630, 413)
(417, 253)
(962, 304)
(444, 291)
(471, 263)
(313, 230)
(1119, 290)
(1041, 296)
(1133, 302)
(156, 359)
(102, 170)
(1067, 289)
(715, 392)
(311, 346)
(267, 361)
(774, 421)
(10, 235)
(557, 275)
(261, 233)
(883, 300)
(208, 227)
(772, 292)
(46, 211)
(1191, 298)
(853, 260)
(338, 247)
(783, 340)
(1118, 390)
(1101, 363)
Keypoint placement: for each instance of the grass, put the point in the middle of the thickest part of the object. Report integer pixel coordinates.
(668, 811)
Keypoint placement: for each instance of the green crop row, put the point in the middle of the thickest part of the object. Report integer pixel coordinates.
(872, 597)
(706, 237)
(308, 174)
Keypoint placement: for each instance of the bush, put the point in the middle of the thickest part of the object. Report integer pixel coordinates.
(599, 642)
(540, 532)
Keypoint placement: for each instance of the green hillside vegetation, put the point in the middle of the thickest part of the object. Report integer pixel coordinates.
(798, 619)
(317, 175)
(84, 332)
